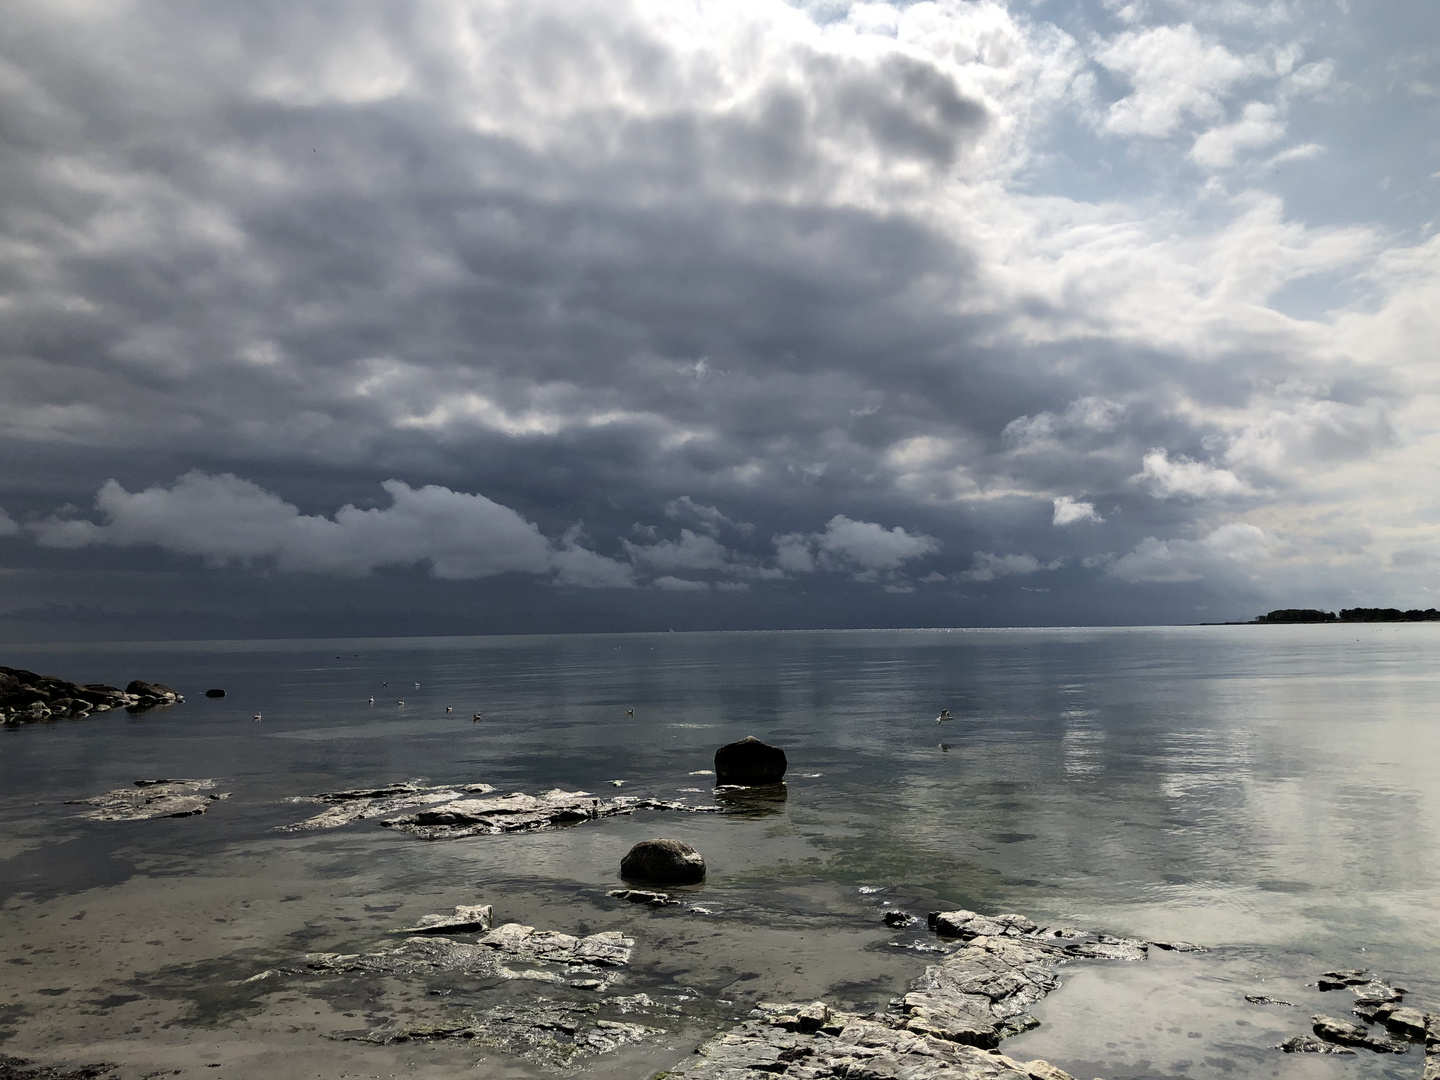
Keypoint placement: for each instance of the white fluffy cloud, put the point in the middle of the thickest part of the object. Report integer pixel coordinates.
(1230, 549)
(988, 566)
(1071, 511)
(790, 258)
(863, 546)
(224, 519)
(1259, 125)
(1180, 477)
(1174, 73)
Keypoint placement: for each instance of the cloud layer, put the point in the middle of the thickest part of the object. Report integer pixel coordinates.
(739, 303)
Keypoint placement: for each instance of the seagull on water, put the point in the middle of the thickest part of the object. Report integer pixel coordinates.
(449, 708)
(477, 718)
(629, 712)
(372, 701)
(257, 716)
(400, 702)
(944, 715)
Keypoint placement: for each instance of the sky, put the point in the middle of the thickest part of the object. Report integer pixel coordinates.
(472, 316)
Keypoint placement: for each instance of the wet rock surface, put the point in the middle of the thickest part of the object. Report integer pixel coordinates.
(358, 804)
(552, 1033)
(490, 954)
(519, 812)
(814, 1042)
(666, 861)
(948, 1027)
(465, 917)
(27, 697)
(152, 799)
(1345, 1033)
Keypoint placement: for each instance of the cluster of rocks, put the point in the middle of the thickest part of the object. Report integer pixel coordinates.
(1376, 1002)
(14, 1068)
(26, 697)
(152, 799)
(816, 1042)
(948, 1027)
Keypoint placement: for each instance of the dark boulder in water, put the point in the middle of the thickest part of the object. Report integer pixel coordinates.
(215, 692)
(749, 763)
(671, 862)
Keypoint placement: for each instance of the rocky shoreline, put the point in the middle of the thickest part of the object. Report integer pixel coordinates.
(28, 698)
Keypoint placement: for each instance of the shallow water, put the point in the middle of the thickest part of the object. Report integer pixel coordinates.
(1267, 791)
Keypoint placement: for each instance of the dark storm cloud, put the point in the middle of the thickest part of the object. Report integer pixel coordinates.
(769, 293)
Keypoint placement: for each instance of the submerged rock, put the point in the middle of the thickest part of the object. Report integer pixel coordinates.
(551, 1033)
(152, 799)
(671, 862)
(749, 763)
(488, 954)
(1308, 1044)
(214, 692)
(644, 896)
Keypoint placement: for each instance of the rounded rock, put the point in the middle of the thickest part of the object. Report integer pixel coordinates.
(749, 763)
(672, 862)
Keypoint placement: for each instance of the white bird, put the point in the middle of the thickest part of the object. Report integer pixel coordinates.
(372, 701)
(477, 718)
(417, 686)
(400, 703)
(629, 712)
(449, 708)
(257, 716)
(944, 715)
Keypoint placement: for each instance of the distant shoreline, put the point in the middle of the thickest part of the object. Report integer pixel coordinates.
(1311, 616)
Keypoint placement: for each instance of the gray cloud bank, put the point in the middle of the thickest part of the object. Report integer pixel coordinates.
(628, 315)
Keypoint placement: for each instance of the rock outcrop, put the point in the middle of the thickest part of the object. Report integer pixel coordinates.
(519, 812)
(665, 861)
(465, 917)
(749, 763)
(26, 698)
(491, 953)
(948, 1027)
(153, 799)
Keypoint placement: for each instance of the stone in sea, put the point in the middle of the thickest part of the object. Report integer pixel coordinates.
(152, 799)
(1308, 1044)
(669, 862)
(898, 918)
(465, 917)
(1345, 1033)
(749, 763)
(214, 692)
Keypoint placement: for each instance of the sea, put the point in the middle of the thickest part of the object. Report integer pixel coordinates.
(1268, 792)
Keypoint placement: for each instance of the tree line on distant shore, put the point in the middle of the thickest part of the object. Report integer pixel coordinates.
(1359, 614)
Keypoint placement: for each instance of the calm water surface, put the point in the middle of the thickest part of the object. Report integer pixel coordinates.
(1270, 791)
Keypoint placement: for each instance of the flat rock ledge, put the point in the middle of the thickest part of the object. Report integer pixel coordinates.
(948, 1027)
(453, 812)
(28, 698)
(152, 799)
(582, 962)
(519, 812)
